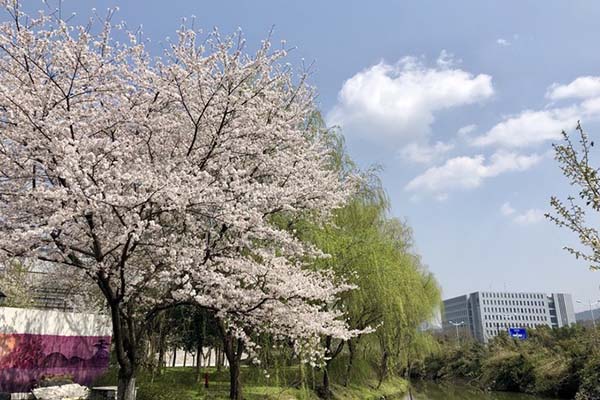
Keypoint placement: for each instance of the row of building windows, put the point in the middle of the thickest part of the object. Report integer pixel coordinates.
(515, 310)
(494, 317)
(508, 325)
(514, 302)
(512, 295)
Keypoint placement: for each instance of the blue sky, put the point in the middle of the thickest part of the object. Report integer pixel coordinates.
(458, 101)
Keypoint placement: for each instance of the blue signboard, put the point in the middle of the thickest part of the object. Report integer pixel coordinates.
(518, 333)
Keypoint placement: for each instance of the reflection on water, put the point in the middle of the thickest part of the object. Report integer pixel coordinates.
(448, 391)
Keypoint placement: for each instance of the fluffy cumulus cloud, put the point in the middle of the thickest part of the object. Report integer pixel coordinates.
(581, 88)
(530, 128)
(533, 127)
(502, 42)
(525, 129)
(531, 216)
(466, 130)
(469, 172)
(528, 217)
(424, 153)
(400, 100)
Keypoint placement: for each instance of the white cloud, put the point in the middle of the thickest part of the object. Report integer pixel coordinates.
(464, 172)
(501, 162)
(465, 130)
(469, 172)
(399, 101)
(581, 88)
(447, 60)
(507, 209)
(591, 107)
(424, 153)
(464, 133)
(529, 217)
(502, 42)
(531, 127)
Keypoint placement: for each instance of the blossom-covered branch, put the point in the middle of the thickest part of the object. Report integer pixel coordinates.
(158, 178)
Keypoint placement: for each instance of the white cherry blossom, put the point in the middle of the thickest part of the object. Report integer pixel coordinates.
(159, 178)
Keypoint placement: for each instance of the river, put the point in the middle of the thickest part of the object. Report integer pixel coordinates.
(432, 391)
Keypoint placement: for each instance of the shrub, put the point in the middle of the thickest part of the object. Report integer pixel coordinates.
(589, 388)
(509, 371)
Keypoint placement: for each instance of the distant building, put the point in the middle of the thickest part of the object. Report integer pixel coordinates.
(434, 324)
(482, 315)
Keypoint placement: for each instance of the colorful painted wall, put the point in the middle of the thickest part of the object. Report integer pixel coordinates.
(41, 343)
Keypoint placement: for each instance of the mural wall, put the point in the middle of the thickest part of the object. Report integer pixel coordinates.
(41, 343)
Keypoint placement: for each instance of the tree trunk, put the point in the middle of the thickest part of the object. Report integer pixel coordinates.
(199, 360)
(126, 388)
(161, 346)
(174, 355)
(383, 368)
(218, 358)
(221, 359)
(200, 332)
(150, 353)
(126, 345)
(233, 349)
(350, 362)
(235, 384)
(326, 390)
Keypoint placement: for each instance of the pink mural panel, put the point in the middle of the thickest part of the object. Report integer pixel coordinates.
(26, 358)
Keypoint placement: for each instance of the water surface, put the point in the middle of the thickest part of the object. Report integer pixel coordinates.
(450, 391)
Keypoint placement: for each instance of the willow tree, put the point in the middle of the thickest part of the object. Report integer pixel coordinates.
(374, 252)
(416, 297)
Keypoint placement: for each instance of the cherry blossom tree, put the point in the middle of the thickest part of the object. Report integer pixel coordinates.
(575, 157)
(158, 179)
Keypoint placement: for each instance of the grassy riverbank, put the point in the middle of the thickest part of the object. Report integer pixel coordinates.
(180, 384)
(559, 363)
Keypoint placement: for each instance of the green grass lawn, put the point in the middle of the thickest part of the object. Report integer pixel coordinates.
(180, 384)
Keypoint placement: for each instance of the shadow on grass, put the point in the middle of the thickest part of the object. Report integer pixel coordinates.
(180, 384)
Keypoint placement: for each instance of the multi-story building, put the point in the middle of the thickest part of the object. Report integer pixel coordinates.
(455, 311)
(482, 315)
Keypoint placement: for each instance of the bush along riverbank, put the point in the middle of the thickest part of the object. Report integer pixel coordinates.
(561, 363)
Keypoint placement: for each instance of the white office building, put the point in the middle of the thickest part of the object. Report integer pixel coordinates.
(482, 315)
